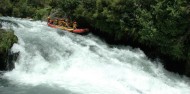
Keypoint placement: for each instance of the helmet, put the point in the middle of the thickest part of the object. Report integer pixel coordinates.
(48, 17)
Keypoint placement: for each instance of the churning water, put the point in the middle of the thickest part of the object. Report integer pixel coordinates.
(52, 61)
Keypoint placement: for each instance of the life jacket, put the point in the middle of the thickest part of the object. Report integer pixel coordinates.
(51, 21)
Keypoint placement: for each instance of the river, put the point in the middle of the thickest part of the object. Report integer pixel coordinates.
(53, 61)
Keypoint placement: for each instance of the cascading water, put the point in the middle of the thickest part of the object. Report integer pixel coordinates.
(52, 61)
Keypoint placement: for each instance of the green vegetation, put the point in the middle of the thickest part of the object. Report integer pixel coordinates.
(159, 26)
(7, 39)
(25, 8)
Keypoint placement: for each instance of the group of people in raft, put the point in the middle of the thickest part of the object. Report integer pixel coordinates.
(62, 23)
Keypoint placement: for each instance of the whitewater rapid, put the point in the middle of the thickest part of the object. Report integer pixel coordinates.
(84, 64)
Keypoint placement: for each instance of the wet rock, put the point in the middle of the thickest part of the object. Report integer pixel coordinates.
(187, 69)
(7, 58)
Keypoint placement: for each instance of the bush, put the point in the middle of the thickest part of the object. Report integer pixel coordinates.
(7, 39)
(5, 7)
(42, 13)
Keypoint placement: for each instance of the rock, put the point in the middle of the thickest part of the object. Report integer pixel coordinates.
(187, 69)
(7, 58)
(0, 25)
(11, 58)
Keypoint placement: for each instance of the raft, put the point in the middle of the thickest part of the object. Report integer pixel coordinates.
(79, 31)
